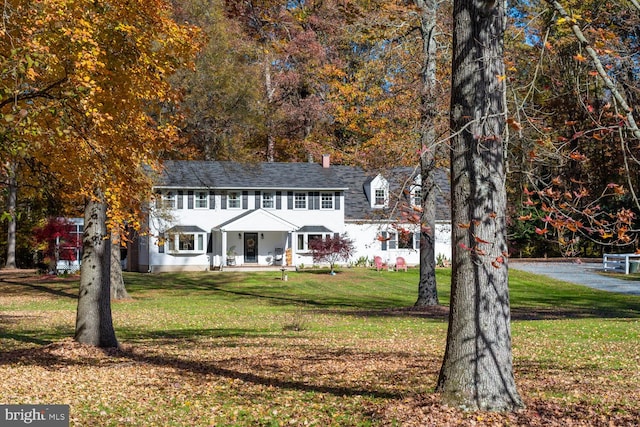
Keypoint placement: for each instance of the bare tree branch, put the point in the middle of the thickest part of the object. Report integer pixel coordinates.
(630, 122)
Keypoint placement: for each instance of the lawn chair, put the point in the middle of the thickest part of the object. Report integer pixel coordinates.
(379, 263)
(401, 264)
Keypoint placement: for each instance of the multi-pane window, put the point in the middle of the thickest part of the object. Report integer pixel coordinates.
(202, 199)
(169, 200)
(326, 201)
(185, 242)
(300, 201)
(402, 240)
(417, 195)
(380, 197)
(304, 240)
(233, 200)
(268, 201)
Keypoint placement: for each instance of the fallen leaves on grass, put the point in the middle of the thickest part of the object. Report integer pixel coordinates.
(381, 373)
(283, 380)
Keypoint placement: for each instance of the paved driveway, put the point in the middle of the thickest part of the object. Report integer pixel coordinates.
(582, 274)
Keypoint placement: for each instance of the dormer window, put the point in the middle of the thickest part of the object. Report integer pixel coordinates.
(378, 192)
(380, 197)
(416, 195)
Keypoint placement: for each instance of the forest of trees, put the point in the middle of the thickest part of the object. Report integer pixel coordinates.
(367, 82)
(529, 104)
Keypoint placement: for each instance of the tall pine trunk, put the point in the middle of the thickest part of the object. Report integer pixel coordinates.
(477, 370)
(427, 291)
(94, 324)
(12, 209)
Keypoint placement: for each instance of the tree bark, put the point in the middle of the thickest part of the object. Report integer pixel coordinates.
(12, 209)
(94, 325)
(427, 291)
(477, 370)
(118, 290)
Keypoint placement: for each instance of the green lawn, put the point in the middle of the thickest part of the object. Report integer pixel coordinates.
(250, 349)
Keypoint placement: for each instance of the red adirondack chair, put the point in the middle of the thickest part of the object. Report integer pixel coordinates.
(401, 264)
(379, 263)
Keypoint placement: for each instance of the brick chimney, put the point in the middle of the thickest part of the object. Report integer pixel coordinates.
(326, 160)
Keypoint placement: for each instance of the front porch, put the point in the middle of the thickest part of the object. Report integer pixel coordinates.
(253, 241)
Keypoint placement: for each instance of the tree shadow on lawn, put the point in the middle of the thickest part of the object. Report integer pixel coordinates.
(208, 368)
(70, 354)
(67, 287)
(441, 312)
(32, 336)
(172, 336)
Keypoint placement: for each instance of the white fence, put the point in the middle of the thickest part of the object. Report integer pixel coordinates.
(627, 263)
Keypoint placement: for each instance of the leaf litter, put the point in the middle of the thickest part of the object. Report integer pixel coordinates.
(293, 378)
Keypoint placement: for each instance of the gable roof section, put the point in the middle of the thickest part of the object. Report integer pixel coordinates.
(241, 176)
(357, 202)
(248, 220)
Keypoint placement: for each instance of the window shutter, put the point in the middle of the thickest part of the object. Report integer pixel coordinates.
(384, 241)
(212, 200)
(245, 200)
(189, 199)
(223, 204)
(336, 202)
(416, 241)
(180, 200)
(290, 200)
(314, 200)
(258, 204)
(278, 199)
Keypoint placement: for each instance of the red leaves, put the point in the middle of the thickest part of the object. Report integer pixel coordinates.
(513, 124)
(480, 240)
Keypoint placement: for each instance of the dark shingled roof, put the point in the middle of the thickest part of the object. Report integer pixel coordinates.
(357, 204)
(233, 175)
(185, 229)
(292, 176)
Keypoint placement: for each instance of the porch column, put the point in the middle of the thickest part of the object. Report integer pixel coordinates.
(223, 255)
(293, 239)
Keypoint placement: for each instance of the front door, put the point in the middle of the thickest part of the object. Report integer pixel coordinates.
(250, 247)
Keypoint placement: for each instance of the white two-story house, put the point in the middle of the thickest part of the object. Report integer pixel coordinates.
(210, 215)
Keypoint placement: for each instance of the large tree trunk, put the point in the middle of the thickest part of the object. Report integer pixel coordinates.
(427, 291)
(94, 324)
(12, 207)
(118, 290)
(477, 371)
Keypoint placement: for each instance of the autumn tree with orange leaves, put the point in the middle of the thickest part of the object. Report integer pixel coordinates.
(84, 90)
(574, 138)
